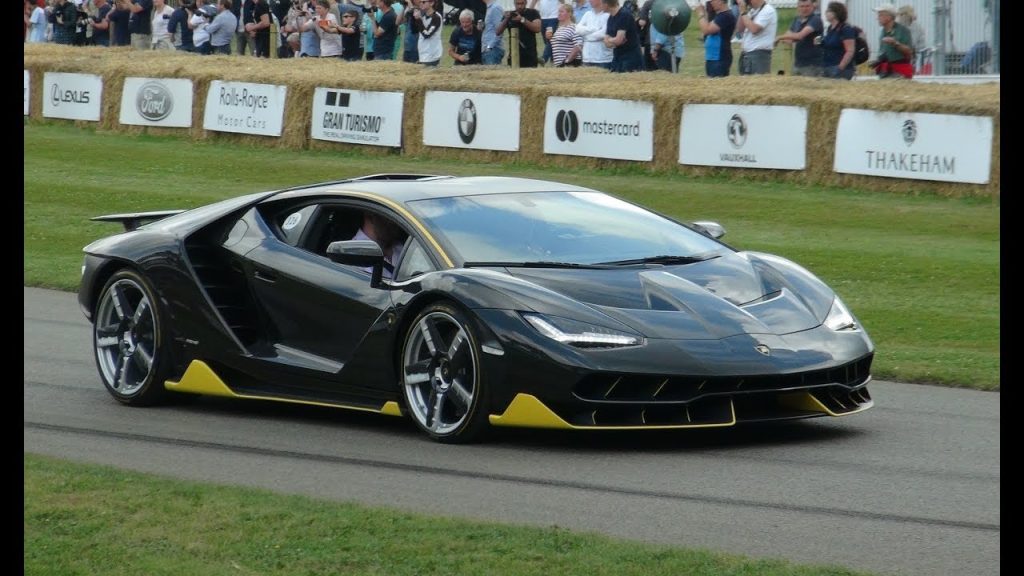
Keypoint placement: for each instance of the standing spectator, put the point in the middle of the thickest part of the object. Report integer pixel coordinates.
(258, 28)
(664, 49)
(65, 19)
(758, 22)
(579, 8)
(918, 42)
(427, 25)
(465, 41)
(643, 24)
(100, 24)
(242, 10)
(623, 38)
(566, 46)
(411, 50)
(351, 36)
(198, 23)
(838, 43)
(222, 28)
(528, 21)
(161, 17)
(178, 27)
(493, 50)
(592, 29)
(279, 11)
(894, 45)
(118, 20)
(548, 10)
(805, 36)
(36, 23)
(140, 25)
(717, 31)
(327, 29)
(300, 13)
(385, 31)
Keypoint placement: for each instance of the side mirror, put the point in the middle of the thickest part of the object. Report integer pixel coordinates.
(713, 229)
(359, 253)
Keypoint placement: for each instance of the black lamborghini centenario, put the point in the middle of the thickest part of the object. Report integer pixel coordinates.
(513, 303)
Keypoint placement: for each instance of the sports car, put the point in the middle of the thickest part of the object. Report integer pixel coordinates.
(494, 302)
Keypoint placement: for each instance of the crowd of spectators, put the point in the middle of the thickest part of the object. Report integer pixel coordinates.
(617, 35)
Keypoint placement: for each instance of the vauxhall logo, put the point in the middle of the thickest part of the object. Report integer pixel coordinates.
(737, 131)
(154, 101)
(68, 96)
(567, 125)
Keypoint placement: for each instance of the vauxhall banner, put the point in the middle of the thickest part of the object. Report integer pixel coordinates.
(157, 102)
(358, 117)
(72, 96)
(26, 92)
(471, 120)
(618, 129)
(245, 108)
(943, 147)
(744, 136)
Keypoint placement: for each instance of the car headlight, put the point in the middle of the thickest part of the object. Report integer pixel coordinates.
(839, 318)
(580, 334)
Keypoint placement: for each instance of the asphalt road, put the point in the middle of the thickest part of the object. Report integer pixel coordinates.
(909, 487)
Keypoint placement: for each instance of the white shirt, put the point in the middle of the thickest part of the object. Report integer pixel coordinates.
(765, 39)
(160, 23)
(429, 47)
(592, 28)
(199, 34)
(548, 9)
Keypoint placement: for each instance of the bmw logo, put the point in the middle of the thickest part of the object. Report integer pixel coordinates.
(737, 131)
(467, 121)
(909, 132)
(567, 125)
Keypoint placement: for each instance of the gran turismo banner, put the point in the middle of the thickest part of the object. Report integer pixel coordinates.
(157, 102)
(245, 108)
(72, 96)
(358, 116)
(471, 120)
(597, 127)
(919, 146)
(744, 136)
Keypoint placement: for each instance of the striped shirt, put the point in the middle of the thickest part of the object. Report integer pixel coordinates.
(562, 43)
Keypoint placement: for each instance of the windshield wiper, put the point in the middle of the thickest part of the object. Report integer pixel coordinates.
(664, 259)
(537, 264)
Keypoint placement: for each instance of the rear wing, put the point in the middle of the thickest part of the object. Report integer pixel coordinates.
(136, 219)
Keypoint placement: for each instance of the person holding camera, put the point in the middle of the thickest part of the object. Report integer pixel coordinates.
(198, 23)
(528, 21)
(300, 12)
(178, 26)
(328, 30)
(758, 23)
(427, 26)
(64, 19)
(717, 30)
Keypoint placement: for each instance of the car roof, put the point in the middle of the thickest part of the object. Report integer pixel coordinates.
(410, 187)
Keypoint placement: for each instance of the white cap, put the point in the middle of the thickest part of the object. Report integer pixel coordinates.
(890, 8)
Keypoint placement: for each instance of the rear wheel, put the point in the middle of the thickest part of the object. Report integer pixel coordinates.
(128, 340)
(441, 381)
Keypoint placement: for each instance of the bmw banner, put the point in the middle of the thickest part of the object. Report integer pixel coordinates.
(471, 120)
(597, 127)
(157, 102)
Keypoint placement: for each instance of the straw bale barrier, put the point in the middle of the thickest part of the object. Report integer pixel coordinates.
(823, 99)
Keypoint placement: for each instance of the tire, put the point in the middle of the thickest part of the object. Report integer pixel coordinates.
(129, 340)
(443, 389)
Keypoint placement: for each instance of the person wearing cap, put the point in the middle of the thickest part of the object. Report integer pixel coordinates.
(758, 23)
(895, 49)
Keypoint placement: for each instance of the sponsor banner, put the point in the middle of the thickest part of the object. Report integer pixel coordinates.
(618, 129)
(72, 96)
(157, 102)
(245, 108)
(26, 92)
(744, 136)
(471, 120)
(358, 116)
(918, 146)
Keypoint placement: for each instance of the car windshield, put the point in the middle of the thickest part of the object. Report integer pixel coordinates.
(569, 227)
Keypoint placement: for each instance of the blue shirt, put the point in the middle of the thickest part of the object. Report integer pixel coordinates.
(222, 29)
(716, 46)
(579, 11)
(623, 20)
(832, 45)
(665, 42)
(494, 16)
(384, 45)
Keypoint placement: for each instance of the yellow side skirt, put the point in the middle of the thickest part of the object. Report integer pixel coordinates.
(199, 378)
(526, 411)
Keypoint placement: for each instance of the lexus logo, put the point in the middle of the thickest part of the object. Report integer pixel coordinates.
(763, 350)
(567, 126)
(68, 96)
(154, 101)
(467, 121)
(737, 131)
(909, 132)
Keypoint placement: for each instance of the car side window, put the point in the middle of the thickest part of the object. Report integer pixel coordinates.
(292, 224)
(415, 261)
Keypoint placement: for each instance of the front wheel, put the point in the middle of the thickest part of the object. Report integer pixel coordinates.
(441, 381)
(128, 340)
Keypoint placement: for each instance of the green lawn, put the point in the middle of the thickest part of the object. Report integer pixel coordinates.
(920, 272)
(90, 520)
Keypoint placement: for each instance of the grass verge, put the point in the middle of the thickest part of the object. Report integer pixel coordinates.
(83, 519)
(920, 272)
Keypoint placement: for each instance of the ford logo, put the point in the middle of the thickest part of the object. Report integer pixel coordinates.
(154, 101)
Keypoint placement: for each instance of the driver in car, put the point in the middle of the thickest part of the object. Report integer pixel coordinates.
(387, 235)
